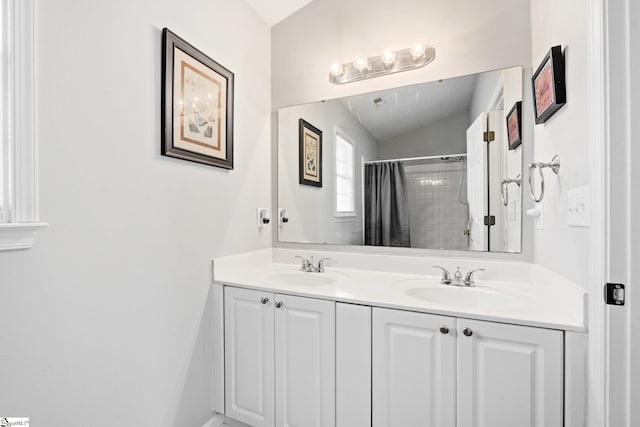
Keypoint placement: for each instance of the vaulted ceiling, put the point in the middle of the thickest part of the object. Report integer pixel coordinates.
(274, 11)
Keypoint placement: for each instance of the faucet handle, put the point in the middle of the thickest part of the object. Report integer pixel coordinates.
(320, 268)
(446, 277)
(468, 279)
(305, 263)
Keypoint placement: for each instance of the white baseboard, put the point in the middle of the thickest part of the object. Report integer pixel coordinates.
(216, 421)
(219, 420)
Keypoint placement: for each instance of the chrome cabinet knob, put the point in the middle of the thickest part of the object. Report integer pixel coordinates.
(467, 332)
(279, 304)
(264, 300)
(444, 330)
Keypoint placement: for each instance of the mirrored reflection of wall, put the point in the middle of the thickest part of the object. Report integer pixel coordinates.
(312, 209)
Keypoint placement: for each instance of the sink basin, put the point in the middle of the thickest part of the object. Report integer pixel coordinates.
(301, 278)
(459, 296)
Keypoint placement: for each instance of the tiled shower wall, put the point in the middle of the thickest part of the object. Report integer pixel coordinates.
(437, 217)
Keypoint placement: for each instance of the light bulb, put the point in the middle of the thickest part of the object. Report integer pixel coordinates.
(336, 69)
(417, 51)
(360, 64)
(388, 57)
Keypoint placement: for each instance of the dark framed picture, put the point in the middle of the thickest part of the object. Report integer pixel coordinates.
(514, 126)
(549, 87)
(197, 105)
(310, 154)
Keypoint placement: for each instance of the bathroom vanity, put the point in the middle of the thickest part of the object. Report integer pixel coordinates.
(393, 347)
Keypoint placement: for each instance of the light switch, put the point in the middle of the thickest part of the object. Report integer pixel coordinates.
(578, 207)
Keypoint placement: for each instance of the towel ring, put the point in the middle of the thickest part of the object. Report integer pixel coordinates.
(555, 167)
(504, 187)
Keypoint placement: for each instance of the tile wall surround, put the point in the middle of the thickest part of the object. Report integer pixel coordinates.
(437, 216)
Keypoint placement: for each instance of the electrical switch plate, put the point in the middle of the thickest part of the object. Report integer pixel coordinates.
(578, 207)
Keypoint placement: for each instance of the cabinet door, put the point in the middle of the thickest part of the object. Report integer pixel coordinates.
(509, 375)
(249, 356)
(305, 362)
(413, 369)
(353, 365)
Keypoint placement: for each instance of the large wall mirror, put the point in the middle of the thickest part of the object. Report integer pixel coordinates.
(433, 165)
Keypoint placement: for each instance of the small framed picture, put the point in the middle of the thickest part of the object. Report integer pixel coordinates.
(549, 87)
(197, 105)
(514, 126)
(310, 154)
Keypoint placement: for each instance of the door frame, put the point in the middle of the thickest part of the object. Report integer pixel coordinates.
(611, 245)
(619, 345)
(598, 145)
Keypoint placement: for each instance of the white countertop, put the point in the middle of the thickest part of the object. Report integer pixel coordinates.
(536, 297)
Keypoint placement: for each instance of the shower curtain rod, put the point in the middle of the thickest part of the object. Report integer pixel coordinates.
(406, 159)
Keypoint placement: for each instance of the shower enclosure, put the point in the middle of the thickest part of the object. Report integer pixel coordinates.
(434, 198)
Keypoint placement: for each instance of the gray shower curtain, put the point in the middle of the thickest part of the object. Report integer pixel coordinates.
(386, 208)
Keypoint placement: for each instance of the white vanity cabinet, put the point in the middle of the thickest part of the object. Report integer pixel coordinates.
(438, 371)
(249, 356)
(414, 369)
(282, 343)
(298, 361)
(509, 375)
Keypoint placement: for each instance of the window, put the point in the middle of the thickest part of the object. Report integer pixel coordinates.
(345, 194)
(18, 173)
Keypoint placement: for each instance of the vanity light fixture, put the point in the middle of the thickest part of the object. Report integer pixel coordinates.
(417, 51)
(361, 64)
(336, 69)
(388, 57)
(388, 62)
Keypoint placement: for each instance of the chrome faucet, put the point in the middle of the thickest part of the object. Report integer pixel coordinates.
(308, 266)
(320, 267)
(468, 279)
(446, 277)
(457, 277)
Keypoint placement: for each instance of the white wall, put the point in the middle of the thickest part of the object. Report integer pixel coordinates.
(445, 136)
(105, 321)
(484, 93)
(312, 209)
(559, 247)
(469, 37)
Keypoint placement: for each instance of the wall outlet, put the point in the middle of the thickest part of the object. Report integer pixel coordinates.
(283, 216)
(578, 214)
(263, 217)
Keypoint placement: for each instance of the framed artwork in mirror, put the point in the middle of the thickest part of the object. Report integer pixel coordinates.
(514, 126)
(197, 105)
(549, 87)
(310, 154)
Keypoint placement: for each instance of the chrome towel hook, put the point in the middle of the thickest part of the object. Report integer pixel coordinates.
(555, 167)
(504, 187)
